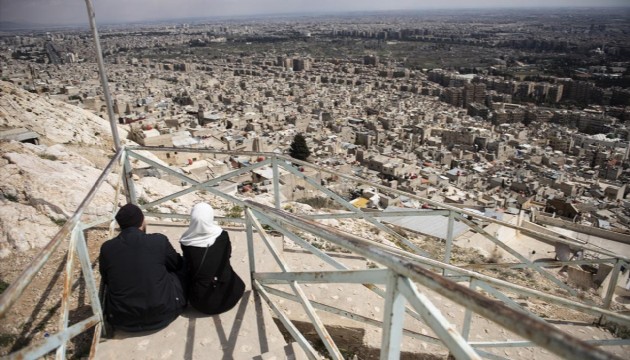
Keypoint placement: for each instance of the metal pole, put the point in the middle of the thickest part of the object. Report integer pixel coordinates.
(128, 180)
(394, 314)
(456, 344)
(103, 76)
(88, 275)
(67, 289)
(276, 183)
(250, 242)
(449, 240)
(612, 284)
(468, 314)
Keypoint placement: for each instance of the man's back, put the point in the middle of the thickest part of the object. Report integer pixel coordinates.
(143, 292)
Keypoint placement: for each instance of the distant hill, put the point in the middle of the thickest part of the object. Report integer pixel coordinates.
(12, 25)
(20, 26)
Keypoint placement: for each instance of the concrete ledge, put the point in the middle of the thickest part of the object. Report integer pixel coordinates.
(606, 234)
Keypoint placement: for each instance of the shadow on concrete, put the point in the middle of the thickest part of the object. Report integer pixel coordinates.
(228, 341)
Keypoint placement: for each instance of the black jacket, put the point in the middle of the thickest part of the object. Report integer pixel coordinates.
(214, 287)
(143, 291)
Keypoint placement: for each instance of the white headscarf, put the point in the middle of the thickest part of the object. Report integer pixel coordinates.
(202, 231)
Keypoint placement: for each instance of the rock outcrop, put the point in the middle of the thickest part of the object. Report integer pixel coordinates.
(40, 188)
(56, 121)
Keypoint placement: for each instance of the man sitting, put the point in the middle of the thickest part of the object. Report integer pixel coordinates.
(142, 273)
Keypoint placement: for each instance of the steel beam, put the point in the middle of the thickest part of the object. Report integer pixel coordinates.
(103, 74)
(439, 205)
(325, 257)
(131, 195)
(374, 276)
(432, 316)
(67, 291)
(506, 300)
(276, 182)
(517, 255)
(196, 185)
(449, 239)
(298, 240)
(52, 342)
(88, 275)
(352, 316)
(295, 333)
(520, 343)
(250, 243)
(468, 313)
(378, 214)
(612, 284)
(540, 263)
(393, 317)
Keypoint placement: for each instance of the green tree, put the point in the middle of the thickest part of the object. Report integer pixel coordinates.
(299, 150)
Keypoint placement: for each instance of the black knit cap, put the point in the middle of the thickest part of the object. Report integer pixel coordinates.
(129, 215)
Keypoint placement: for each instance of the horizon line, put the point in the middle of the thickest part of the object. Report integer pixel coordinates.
(24, 25)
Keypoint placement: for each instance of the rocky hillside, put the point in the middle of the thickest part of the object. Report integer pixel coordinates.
(55, 121)
(41, 186)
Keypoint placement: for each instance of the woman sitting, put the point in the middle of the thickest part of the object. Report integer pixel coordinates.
(213, 287)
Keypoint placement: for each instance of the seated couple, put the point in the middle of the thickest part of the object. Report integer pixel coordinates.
(148, 284)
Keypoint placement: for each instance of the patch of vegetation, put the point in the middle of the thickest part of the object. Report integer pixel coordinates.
(3, 286)
(142, 201)
(58, 221)
(321, 202)
(270, 230)
(48, 157)
(7, 339)
(11, 197)
(619, 331)
(234, 212)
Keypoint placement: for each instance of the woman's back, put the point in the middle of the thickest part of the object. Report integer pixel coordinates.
(214, 287)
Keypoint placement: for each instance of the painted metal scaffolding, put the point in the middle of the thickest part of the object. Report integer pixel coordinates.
(401, 281)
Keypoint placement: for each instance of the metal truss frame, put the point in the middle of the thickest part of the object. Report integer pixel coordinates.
(400, 280)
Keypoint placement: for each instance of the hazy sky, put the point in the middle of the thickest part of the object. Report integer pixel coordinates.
(52, 12)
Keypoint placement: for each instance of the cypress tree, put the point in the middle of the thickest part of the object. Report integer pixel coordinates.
(299, 150)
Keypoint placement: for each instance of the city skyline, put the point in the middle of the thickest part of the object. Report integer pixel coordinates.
(66, 12)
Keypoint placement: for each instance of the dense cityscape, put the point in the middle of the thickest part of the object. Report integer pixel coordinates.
(482, 108)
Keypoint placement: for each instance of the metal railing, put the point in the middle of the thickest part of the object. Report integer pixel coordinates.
(400, 281)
